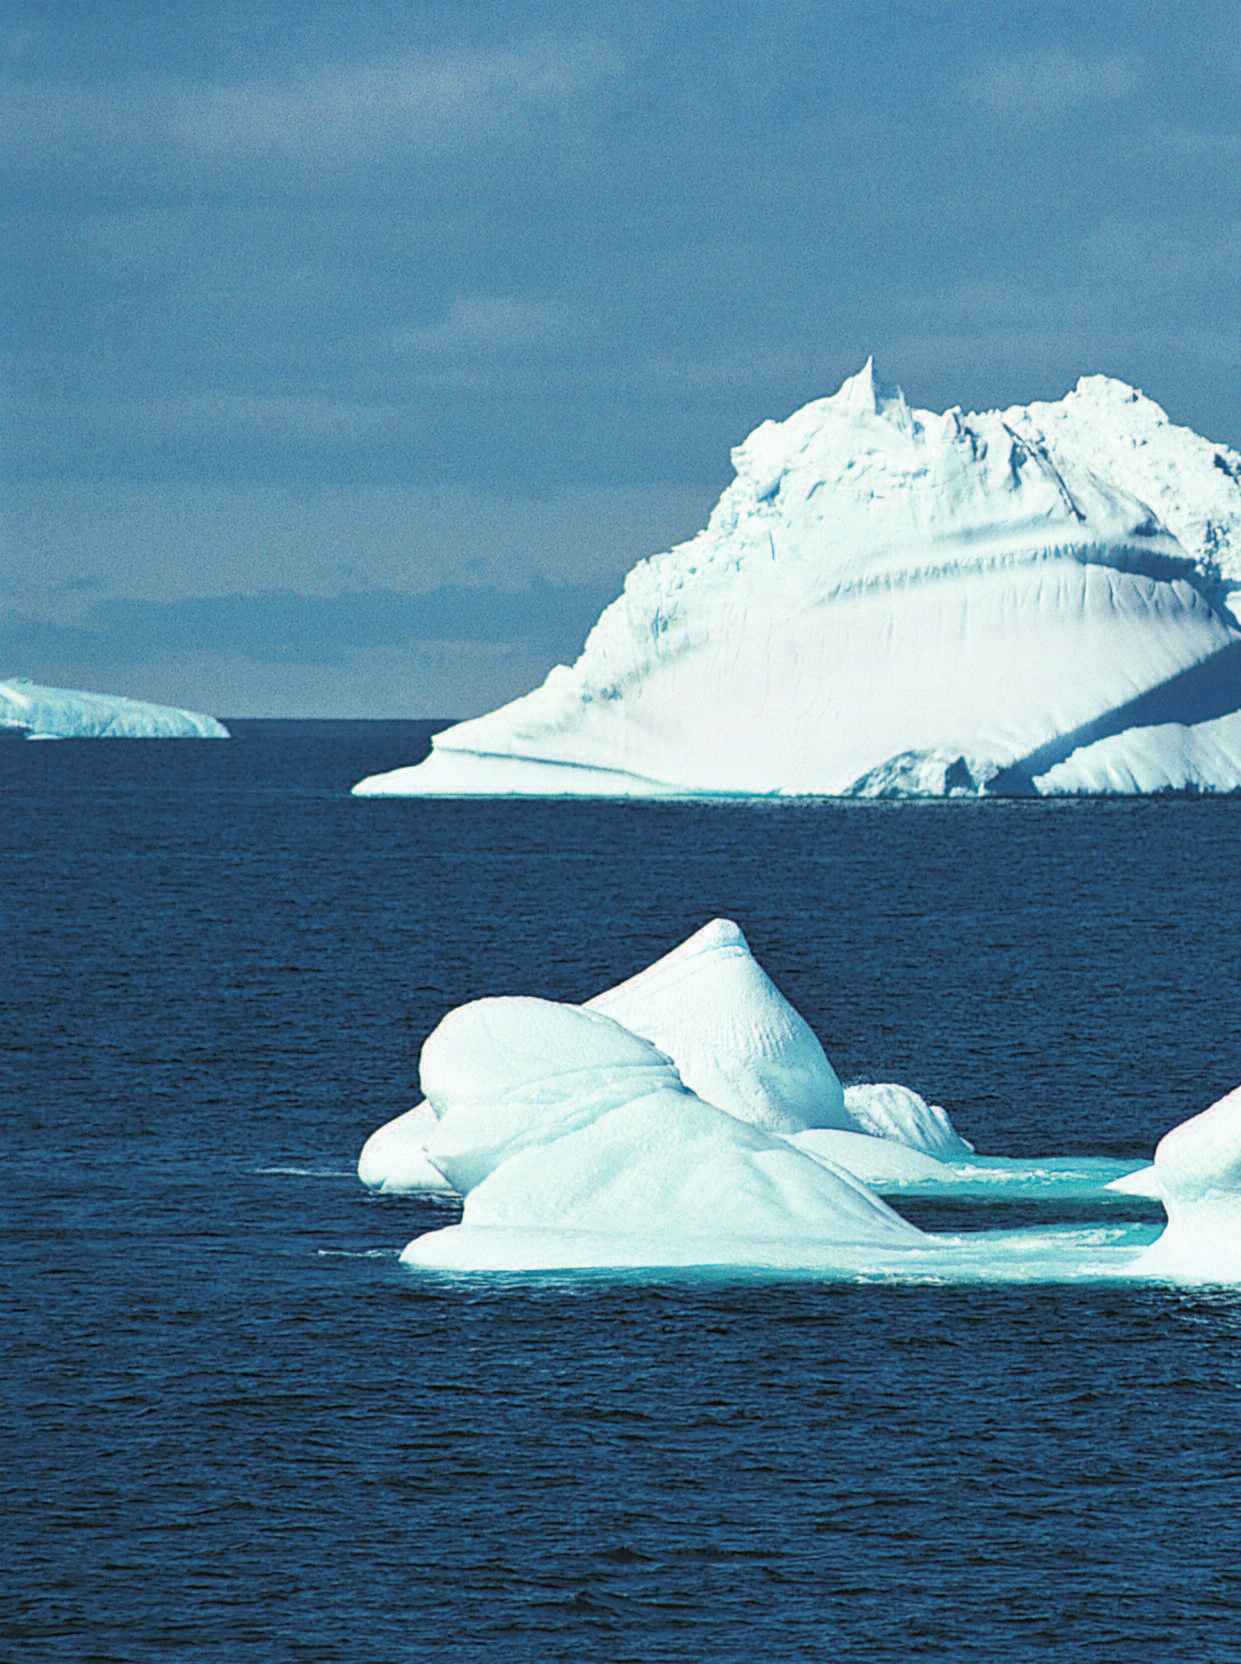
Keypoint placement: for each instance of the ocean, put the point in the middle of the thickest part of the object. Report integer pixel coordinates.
(237, 1430)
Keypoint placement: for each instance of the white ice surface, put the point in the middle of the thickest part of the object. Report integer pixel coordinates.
(1169, 756)
(394, 1158)
(576, 1145)
(65, 713)
(1142, 1182)
(734, 1038)
(551, 1117)
(892, 602)
(736, 1042)
(1198, 1170)
(878, 1162)
(1087, 1253)
(895, 1113)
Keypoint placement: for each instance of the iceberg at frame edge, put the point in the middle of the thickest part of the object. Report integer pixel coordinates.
(890, 602)
(1198, 1170)
(577, 1146)
(65, 713)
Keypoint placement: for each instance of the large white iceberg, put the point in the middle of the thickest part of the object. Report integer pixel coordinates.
(887, 601)
(572, 1138)
(689, 1118)
(64, 713)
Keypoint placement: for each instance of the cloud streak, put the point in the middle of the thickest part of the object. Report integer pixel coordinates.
(285, 627)
(312, 128)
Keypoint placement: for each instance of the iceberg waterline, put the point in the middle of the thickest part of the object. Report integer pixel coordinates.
(890, 602)
(578, 1143)
(65, 713)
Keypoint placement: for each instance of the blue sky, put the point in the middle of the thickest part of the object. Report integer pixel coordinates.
(356, 350)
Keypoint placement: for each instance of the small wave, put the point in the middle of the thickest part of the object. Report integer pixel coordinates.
(357, 1253)
(308, 1172)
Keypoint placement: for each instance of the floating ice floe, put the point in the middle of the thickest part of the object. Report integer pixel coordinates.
(891, 602)
(577, 1142)
(41, 713)
(1198, 1171)
(557, 1124)
(577, 1146)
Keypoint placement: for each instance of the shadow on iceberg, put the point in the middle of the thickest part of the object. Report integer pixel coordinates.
(1204, 693)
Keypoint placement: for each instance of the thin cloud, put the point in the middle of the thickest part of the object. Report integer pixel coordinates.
(367, 115)
(1050, 81)
(285, 627)
(495, 323)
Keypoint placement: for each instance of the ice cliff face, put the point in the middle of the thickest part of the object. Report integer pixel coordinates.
(35, 712)
(891, 602)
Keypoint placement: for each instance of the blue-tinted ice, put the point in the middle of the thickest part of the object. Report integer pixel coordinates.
(689, 1118)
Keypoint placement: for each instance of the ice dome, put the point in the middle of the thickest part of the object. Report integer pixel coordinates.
(577, 1146)
(566, 1133)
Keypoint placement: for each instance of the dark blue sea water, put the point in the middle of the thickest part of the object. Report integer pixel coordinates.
(237, 1430)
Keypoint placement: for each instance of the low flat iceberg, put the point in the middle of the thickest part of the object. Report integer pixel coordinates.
(887, 602)
(42, 713)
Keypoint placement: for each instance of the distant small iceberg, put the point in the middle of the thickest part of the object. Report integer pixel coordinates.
(37, 713)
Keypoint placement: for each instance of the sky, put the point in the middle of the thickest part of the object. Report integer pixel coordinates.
(356, 349)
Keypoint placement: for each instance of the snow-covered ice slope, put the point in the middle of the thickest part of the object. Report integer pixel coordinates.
(735, 1040)
(64, 713)
(555, 1123)
(889, 601)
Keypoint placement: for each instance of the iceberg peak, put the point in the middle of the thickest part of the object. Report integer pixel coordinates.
(865, 395)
